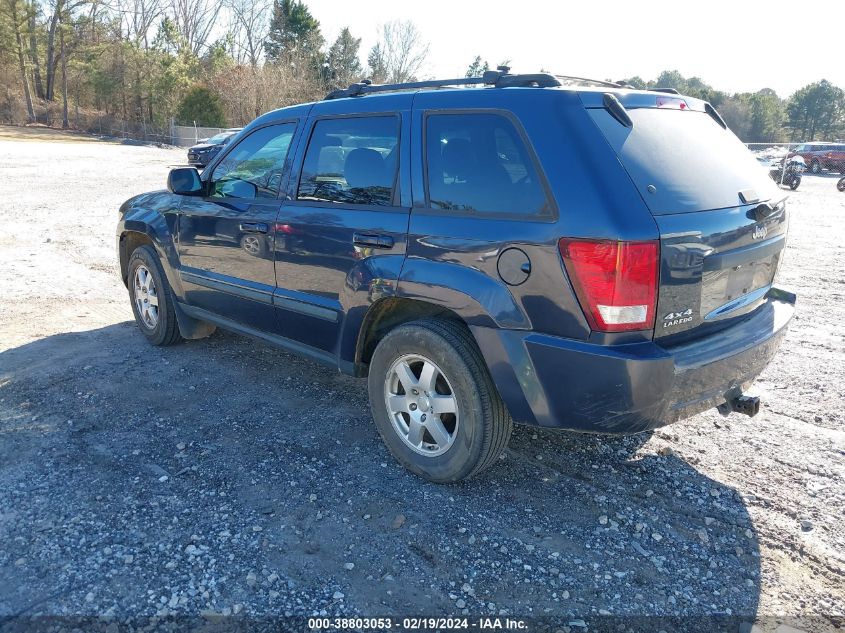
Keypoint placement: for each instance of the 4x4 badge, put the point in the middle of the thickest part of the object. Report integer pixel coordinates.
(676, 318)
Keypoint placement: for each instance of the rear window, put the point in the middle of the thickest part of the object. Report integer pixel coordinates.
(478, 163)
(683, 161)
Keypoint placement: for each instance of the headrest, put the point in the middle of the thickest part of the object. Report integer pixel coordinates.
(458, 158)
(365, 168)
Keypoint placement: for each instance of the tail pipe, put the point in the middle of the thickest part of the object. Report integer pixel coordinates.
(747, 405)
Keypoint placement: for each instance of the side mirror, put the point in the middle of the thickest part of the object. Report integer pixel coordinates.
(184, 181)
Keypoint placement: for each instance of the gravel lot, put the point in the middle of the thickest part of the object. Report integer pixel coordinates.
(219, 476)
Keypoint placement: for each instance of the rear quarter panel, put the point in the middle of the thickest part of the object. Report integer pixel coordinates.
(453, 256)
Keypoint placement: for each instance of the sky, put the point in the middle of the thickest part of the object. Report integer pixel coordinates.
(735, 46)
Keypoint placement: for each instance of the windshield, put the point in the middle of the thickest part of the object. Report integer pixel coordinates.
(219, 138)
(683, 161)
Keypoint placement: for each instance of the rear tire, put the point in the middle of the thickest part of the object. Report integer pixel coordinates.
(151, 298)
(794, 183)
(434, 402)
(841, 184)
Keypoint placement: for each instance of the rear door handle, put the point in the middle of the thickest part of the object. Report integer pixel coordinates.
(372, 241)
(254, 227)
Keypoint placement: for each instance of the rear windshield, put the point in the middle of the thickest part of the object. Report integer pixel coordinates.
(689, 161)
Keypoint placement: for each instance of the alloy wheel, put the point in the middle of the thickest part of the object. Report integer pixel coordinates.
(251, 245)
(146, 296)
(422, 405)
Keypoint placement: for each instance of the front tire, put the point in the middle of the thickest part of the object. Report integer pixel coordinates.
(151, 298)
(796, 180)
(841, 184)
(434, 402)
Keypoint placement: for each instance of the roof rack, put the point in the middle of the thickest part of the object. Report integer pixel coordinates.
(499, 78)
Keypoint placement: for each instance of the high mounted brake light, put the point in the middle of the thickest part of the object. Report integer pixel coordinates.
(672, 102)
(616, 282)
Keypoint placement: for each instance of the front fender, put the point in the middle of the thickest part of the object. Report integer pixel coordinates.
(155, 216)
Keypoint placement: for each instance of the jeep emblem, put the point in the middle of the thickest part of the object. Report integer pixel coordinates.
(759, 233)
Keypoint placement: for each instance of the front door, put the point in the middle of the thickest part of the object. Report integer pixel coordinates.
(226, 237)
(341, 235)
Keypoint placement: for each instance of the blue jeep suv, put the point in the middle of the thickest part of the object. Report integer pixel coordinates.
(533, 249)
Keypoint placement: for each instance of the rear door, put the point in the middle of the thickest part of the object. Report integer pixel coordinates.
(341, 233)
(722, 220)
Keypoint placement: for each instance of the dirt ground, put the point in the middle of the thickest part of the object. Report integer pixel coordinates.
(222, 477)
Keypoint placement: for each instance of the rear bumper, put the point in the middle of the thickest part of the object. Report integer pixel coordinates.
(561, 383)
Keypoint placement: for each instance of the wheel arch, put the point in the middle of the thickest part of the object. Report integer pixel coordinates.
(133, 234)
(128, 241)
(387, 314)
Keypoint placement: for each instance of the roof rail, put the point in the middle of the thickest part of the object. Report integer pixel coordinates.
(595, 82)
(499, 78)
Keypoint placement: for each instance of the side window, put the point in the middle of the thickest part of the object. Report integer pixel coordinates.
(479, 163)
(351, 161)
(253, 169)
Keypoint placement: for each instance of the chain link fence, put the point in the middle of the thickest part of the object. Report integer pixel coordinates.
(187, 135)
(100, 124)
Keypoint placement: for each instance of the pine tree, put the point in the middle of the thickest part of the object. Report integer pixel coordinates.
(294, 32)
(477, 68)
(342, 64)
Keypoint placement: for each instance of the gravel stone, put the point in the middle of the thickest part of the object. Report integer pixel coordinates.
(271, 440)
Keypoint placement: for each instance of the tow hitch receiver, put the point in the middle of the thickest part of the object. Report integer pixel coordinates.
(747, 405)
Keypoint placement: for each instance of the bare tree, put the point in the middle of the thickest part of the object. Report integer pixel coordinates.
(137, 18)
(60, 12)
(399, 54)
(19, 16)
(56, 9)
(195, 19)
(248, 24)
(33, 53)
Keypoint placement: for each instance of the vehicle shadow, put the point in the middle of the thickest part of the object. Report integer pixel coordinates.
(224, 473)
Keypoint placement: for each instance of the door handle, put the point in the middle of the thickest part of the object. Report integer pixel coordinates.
(372, 241)
(253, 227)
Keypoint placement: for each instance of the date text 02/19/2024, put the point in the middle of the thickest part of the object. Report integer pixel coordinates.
(416, 624)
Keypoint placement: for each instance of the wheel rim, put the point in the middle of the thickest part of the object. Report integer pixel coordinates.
(146, 296)
(251, 245)
(422, 405)
(816, 167)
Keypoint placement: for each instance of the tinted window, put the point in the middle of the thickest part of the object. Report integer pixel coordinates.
(479, 162)
(352, 161)
(253, 169)
(683, 161)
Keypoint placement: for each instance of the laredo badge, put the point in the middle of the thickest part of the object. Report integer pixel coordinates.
(676, 318)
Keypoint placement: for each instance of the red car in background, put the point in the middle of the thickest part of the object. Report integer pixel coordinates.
(819, 156)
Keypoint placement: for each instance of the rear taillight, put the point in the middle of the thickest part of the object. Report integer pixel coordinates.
(616, 282)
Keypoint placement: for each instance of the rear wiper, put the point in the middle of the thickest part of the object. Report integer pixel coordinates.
(616, 109)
